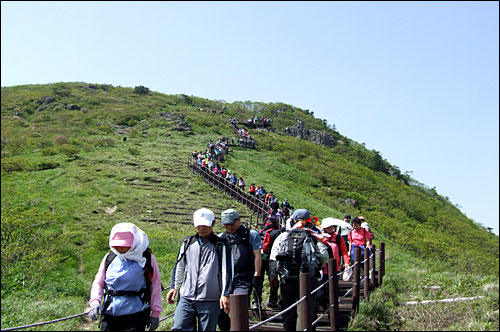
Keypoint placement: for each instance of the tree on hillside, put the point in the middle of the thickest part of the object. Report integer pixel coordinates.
(141, 90)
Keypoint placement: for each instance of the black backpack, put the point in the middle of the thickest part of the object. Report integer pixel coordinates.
(242, 238)
(297, 254)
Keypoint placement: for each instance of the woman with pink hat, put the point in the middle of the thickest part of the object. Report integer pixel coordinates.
(129, 279)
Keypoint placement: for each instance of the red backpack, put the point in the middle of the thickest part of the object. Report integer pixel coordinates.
(267, 243)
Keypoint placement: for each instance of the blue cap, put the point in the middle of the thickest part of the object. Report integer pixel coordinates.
(301, 214)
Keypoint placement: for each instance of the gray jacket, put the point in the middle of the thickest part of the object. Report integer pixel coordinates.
(198, 269)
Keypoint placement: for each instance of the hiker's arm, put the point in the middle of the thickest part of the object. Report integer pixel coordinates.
(257, 252)
(97, 289)
(257, 261)
(227, 274)
(178, 269)
(155, 289)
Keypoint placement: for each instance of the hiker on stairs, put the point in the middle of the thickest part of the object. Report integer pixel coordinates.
(203, 267)
(130, 280)
(300, 249)
(246, 258)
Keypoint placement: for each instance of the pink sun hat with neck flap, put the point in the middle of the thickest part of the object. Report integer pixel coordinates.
(122, 239)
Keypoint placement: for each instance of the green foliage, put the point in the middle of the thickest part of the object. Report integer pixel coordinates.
(69, 150)
(49, 151)
(133, 150)
(141, 90)
(22, 164)
(31, 247)
(379, 313)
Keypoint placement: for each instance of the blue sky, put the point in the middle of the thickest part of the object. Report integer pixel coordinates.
(417, 81)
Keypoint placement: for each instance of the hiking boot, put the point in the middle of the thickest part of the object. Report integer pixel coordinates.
(273, 305)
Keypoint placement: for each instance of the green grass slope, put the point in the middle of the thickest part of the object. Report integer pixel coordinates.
(68, 177)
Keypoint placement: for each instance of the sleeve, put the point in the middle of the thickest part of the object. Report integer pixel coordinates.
(98, 285)
(179, 268)
(255, 240)
(155, 289)
(227, 273)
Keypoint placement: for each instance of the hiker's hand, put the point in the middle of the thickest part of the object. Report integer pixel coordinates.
(171, 296)
(224, 303)
(153, 323)
(94, 312)
(256, 282)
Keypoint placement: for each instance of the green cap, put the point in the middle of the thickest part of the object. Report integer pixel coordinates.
(229, 217)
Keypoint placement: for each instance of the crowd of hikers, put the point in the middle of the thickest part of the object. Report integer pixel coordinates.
(257, 122)
(244, 138)
(126, 292)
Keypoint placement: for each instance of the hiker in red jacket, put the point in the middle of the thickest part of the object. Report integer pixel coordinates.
(251, 191)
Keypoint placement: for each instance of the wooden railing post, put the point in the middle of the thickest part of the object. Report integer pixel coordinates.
(239, 312)
(366, 271)
(333, 292)
(373, 281)
(381, 263)
(355, 291)
(305, 316)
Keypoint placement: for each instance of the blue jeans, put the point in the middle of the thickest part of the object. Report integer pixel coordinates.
(187, 311)
(362, 252)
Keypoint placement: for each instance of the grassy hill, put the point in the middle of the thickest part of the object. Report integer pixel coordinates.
(68, 176)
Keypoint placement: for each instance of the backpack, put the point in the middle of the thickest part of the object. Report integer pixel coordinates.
(243, 237)
(297, 254)
(190, 239)
(269, 236)
(148, 275)
(144, 294)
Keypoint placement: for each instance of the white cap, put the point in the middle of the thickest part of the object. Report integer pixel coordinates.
(365, 225)
(203, 217)
(328, 222)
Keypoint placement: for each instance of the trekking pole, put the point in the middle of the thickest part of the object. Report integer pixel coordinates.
(239, 312)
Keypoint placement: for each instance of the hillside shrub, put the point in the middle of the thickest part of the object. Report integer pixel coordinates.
(60, 140)
(49, 151)
(12, 164)
(105, 142)
(69, 150)
(133, 150)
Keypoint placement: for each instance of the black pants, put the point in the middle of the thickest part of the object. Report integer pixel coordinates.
(289, 295)
(273, 297)
(133, 322)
